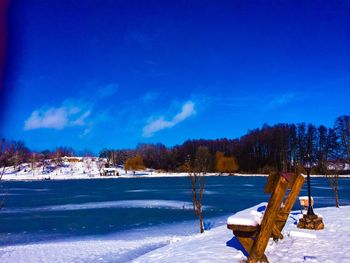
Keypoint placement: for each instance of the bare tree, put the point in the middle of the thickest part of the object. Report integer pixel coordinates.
(198, 185)
(58, 154)
(16, 162)
(33, 160)
(87, 159)
(332, 176)
(100, 164)
(198, 182)
(3, 157)
(333, 164)
(4, 161)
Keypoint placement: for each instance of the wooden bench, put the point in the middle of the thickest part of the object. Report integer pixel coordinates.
(254, 235)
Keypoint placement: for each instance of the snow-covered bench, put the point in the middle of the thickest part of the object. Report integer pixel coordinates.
(248, 217)
(254, 227)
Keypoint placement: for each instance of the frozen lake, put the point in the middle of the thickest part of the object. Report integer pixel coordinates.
(129, 209)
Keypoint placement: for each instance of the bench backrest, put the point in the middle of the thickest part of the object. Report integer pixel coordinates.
(273, 177)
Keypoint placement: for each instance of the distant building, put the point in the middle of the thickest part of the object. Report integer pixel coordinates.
(342, 166)
(110, 172)
(70, 159)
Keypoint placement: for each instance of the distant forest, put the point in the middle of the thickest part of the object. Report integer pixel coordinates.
(280, 147)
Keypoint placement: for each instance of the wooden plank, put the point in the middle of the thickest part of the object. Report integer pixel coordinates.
(268, 221)
(243, 228)
(251, 234)
(271, 182)
(293, 194)
(290, 200)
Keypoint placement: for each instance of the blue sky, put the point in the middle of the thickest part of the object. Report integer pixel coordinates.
(95, 74)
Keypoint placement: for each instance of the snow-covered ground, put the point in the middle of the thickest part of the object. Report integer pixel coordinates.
(215, 245)
(89, 168)
(298, 245)
(85, 168)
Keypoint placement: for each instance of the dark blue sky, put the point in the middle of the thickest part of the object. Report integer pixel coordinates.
(94, 74)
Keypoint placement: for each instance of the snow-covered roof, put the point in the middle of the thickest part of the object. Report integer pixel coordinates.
(111, 169)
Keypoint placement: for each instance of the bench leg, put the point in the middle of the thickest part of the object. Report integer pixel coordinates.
(276, 233)
(247, 243)
(263, 259)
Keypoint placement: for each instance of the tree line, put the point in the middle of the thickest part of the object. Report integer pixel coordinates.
(280, 147)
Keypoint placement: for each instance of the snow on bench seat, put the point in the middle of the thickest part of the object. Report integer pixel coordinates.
(249, 217)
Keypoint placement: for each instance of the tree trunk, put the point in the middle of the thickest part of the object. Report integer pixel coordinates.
(200, 215)
(336, 197)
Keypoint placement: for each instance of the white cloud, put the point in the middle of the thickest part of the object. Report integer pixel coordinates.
(56, 118)
(188, 109)
(72, 112)
(81, 120)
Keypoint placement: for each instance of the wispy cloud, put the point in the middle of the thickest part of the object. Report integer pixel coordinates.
(282, 100)
(57, 117)
(187, 110)
(72, 112)
(254, 101)
(81, 120)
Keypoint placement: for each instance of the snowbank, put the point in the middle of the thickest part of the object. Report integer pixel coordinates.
(298, 245)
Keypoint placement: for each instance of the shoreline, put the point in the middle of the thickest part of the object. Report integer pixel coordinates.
(41, 177)
(214, 245)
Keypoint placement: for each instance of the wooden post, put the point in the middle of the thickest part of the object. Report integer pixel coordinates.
(269, 219)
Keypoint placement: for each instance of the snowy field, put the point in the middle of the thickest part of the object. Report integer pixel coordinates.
(215, 245)
(89, 168)
(86, 168)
